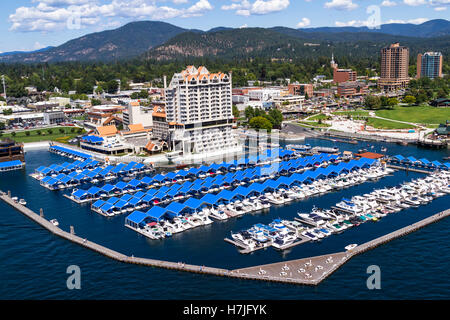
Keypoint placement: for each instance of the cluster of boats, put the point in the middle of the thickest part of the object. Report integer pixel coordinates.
(165, 228)
(170, 224)
(321, 223)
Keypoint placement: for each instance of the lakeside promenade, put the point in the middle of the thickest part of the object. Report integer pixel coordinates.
(306, 271)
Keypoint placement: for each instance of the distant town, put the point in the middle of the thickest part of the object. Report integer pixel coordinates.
(197, 113)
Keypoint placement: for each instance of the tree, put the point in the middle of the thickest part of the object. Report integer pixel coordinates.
(409, 100)
(236, 112)
(249, 112)
(260, 123)
(277, 117)
(13, 133)
(392, 102)
(27, 133)
(61, 130)
(95, 102)
(39, 132)
(372, 102)
(2, 125)
(49, 131)
(7, 112)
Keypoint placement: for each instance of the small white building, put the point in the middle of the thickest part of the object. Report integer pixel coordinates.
(136, 114)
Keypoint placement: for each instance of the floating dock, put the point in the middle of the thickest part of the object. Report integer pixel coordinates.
(307, 271)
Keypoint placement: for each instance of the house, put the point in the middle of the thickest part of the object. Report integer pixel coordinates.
(441, 102)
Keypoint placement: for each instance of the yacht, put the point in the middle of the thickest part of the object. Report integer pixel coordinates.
(309, 235)
(244, 238)
(310, 219)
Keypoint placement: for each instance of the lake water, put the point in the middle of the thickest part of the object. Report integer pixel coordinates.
(34, 261)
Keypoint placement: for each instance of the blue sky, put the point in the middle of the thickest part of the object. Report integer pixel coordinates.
(34, 24)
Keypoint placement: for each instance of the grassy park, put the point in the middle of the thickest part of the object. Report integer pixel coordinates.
(417, 114)
(60, 134)
(355, 113)
(386, 124)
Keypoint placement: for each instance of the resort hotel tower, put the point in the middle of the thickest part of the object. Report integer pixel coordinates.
(199, 112)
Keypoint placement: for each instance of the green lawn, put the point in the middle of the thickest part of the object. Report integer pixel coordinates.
(318, 117)
(386, 124)
(417, 114)
(55, 136)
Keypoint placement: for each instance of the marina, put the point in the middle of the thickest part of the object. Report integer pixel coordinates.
(259, 258)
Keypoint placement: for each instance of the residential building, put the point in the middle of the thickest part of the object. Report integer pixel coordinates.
(394, 67)
(264, 94)
(301, 89)
(199, 112)
(429, 65)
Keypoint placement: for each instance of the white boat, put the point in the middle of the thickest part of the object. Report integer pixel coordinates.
(54, 222)
(23, 202)
(351, 246)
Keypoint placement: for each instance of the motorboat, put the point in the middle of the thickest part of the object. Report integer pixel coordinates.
(54, 222)
(351, 246)
(22, 202)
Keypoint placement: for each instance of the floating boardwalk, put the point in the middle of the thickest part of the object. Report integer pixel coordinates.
(307, 271)
(409, 169)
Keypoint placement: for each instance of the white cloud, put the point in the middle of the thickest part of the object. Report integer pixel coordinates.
(259, 7)
(304, 23)
(352, 23)
(387, 3)
(38, 46)
(243, 26)
(341, 5)
(440, 8)
(47, 16)
(414, 2)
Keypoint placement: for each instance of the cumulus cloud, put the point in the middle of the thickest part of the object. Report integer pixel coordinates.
(258, 7)
(387, 3)
(304, 23)
(50, 15)
(413, 21)
(341, 5)
(440, 8)
(414, 2)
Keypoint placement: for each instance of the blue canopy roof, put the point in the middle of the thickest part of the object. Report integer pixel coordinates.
(93, 139)
(93, 190)
(209, 198)
(137, 217)
(156, 213)
(193, 203)
(98, 204)
(175, 207)
(108, 187)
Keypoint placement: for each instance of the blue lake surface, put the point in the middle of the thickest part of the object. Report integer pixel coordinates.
(34, 262)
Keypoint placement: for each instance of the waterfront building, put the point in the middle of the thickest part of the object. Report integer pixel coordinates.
(394, 67)
(199, 112)
(429, 65)
(11, 151)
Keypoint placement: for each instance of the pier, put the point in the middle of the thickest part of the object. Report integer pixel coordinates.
(306, 271)
(409, 169)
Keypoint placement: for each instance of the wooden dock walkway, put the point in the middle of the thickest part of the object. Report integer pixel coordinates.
(307, 271)
(409, 169)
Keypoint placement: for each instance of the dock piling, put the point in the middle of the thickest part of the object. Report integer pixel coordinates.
(72, 230)
(41, 212)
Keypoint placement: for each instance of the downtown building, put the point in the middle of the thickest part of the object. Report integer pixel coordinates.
(394, 67)
(429, 65)
(199, 112)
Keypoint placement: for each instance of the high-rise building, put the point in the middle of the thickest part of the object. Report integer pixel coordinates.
(429, 65)
(394, 67)
(199, 111)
